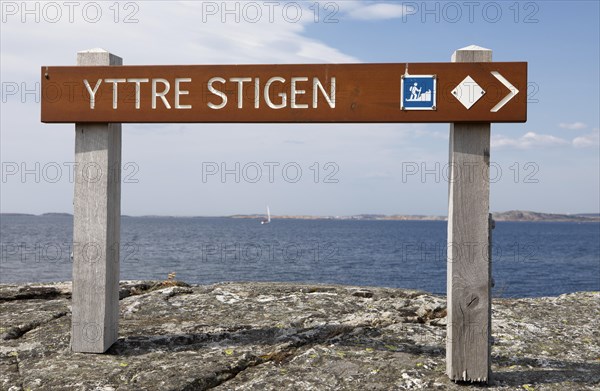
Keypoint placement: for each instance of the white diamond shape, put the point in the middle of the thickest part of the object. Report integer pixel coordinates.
(468, 92)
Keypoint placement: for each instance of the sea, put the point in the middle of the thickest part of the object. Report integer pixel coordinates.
(529, 259)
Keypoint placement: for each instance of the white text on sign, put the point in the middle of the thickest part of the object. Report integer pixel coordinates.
(286, 92)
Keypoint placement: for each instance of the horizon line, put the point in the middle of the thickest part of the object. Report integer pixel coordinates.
(310, 215)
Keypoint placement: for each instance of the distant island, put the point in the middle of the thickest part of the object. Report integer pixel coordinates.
(512, 215)
(519, 215)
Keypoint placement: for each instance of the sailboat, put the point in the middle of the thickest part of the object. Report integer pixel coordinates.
(268, 219)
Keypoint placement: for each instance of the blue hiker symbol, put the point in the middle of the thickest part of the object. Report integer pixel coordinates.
(417, 92)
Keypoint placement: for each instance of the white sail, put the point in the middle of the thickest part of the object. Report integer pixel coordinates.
(268, 220)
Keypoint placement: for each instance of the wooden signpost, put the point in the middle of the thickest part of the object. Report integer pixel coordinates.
(470, 92)
(285, 93)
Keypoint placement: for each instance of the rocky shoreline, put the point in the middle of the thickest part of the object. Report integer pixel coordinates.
(289, 336)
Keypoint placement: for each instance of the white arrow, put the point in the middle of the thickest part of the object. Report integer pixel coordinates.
(511, 94)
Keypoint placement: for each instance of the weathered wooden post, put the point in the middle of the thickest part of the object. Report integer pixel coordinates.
(468, 279)
(96, 231)
(201, 94)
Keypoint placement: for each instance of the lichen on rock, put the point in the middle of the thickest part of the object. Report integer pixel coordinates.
(289, 336)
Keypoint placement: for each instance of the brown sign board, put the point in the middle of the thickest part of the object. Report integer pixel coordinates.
(321, 93)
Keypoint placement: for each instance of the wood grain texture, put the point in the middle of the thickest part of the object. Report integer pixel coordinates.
(364, 93)
(468, 277)
(96, 231)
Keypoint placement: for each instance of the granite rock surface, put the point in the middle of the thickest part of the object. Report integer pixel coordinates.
(289, 336)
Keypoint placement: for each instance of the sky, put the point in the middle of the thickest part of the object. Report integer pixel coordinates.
(551, 163)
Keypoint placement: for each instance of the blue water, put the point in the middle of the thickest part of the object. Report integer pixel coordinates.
(529, 259)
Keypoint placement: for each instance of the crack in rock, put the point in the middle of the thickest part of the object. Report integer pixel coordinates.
(18, 331)
(20, 377)
(34, 293)
(308, 338)
(289, 336)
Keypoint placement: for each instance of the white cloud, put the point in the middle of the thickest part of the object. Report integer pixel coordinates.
(527, 141)
(572, 125)
(378, 11)
(181, 33)
(588, 140)
(165, 33)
